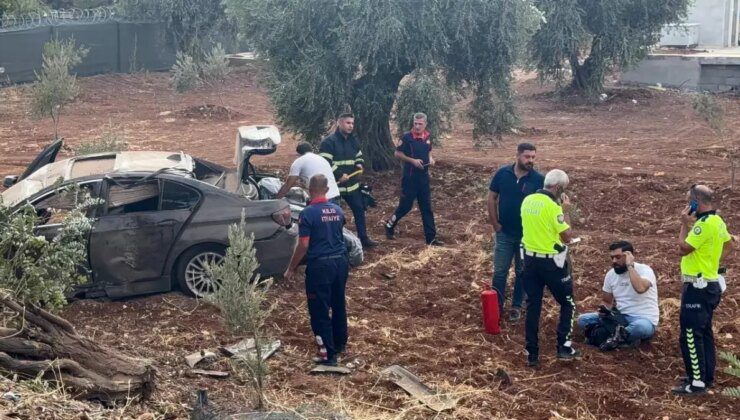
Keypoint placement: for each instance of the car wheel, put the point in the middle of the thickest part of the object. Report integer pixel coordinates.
(191, 273)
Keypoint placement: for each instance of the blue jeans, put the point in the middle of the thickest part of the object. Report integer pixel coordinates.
(638, 328)
(505, 249)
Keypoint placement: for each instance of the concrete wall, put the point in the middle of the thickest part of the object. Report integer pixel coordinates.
(713, 74)
(670, 71)
(717, 20)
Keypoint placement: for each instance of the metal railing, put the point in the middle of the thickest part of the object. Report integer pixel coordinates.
(57, 17)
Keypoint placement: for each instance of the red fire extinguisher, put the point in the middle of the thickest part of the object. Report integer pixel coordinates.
(489, 305)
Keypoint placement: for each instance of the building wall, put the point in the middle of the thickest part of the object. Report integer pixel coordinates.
(717, 20)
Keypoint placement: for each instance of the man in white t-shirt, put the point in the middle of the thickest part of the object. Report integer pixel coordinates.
(633, 286)
(305, 167)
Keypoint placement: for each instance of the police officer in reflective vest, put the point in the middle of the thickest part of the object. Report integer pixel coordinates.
(327, 268)
(342, 150)
(545, 231)
(703, 246)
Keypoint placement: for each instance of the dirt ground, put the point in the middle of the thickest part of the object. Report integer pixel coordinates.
(630, 160)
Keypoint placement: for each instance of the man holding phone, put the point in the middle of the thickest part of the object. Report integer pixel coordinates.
(703, 241)
(634, 288)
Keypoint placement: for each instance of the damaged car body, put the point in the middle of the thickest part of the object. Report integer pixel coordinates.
(161, 217)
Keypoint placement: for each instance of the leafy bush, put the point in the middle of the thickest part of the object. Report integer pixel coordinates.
(734, 370)
(242, 297)
(39, 270)
(184, 75)
(713, 113)
(110, 141)
(20, 7)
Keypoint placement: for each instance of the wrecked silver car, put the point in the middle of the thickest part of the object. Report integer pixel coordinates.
(161, 216)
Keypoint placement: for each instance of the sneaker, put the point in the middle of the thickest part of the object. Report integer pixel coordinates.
(435, 242)
(368, 243)
(515, 315)
(567, 353)
(389, 231)
(688, 389)
(533, 360)
(324, 361)
(685, 381)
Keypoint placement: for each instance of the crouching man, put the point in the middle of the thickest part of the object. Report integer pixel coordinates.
(632, 285)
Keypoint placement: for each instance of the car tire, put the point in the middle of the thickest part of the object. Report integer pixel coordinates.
(190, 269)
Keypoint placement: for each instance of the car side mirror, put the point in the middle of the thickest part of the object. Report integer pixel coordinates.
(10, 180)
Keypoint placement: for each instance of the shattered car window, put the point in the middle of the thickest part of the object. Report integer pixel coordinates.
(176, 197)
(124, 199)
(53, 208)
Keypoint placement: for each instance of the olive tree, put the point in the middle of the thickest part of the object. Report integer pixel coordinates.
(323, 57)
(586, 38)
(55, 86)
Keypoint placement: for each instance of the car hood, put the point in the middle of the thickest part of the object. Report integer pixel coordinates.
(91, 165)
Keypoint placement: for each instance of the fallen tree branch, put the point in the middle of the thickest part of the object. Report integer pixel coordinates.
(48, 346)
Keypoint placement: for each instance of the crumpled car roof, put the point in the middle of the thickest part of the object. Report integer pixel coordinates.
(99, 164)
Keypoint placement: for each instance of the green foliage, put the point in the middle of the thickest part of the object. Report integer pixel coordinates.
(713, 113)
(215, 67)
(38, 270)
(184, 75)
(55, 86)
(325, 56)
(734, 370)
(710, 110)
(195, 25)
(425, 93)
(212, 70)
(241, 298)
(20, 7)
(591, 37)
(109, 141)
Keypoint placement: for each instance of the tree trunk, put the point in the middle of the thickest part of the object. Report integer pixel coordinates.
(48, 345)
(588, 78)
(373, 99)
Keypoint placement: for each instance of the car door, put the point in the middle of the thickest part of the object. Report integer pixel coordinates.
(131, 240)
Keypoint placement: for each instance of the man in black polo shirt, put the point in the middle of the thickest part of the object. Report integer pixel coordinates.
(342, 150)
(415, 151)
(322, 243)
(507, 190)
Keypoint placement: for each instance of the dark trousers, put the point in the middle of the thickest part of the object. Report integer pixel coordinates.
(538, 273)
(357, 205)
(326, 280)
(697, 339)
(416, 187)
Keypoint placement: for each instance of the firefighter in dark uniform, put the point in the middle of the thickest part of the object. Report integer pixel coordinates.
(342, 150)
(545, 230)
(415, 151)
(703, 246)
(327, 268)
